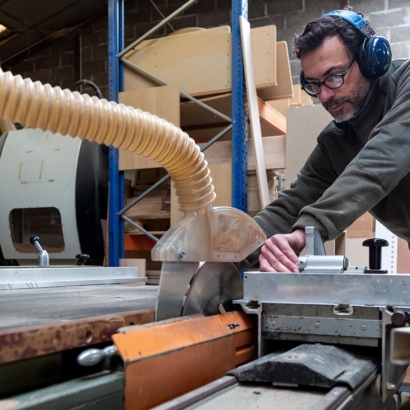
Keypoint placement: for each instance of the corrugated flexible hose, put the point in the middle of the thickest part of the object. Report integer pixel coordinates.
(79, 115)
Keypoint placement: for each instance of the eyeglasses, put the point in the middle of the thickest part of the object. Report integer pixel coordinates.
(333, 81)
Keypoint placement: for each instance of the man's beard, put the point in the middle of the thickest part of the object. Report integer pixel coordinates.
(356, 101)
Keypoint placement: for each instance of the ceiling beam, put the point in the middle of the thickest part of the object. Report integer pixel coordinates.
(49, 40)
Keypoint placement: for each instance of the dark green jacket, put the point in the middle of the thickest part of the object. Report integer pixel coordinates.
(357, 166)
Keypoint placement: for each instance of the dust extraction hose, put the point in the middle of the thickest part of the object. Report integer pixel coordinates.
(79, 115)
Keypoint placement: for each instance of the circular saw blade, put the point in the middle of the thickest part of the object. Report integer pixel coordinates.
(215, 284)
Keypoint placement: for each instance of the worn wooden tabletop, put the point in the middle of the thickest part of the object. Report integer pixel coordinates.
(40, 321)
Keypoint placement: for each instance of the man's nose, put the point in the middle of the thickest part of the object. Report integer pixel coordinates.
(325, 94)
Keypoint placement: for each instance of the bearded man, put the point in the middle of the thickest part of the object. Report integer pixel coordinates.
(362, 159)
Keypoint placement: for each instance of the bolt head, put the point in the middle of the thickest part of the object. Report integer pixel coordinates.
(181, 254)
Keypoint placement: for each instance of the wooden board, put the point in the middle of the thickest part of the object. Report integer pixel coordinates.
(254, 203)
(149, 207)
(138, 244)
(296, 100)
(195, 117)
(183, 31)
(160, 101)
(182, 355)
(271, 118)
(273, 148)
(305, 98)
(279, 105)
(200, 63)
(202, 135)
(254, 110)
(362, 228)
(300, 97)
(403, 258)
(304, 125)
(284, 87)
(188, 61)
(42, 321)
(263, 43)
(355, 252)
(140, 264)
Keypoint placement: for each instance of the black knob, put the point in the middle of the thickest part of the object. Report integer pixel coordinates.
(399, 318)
(34, 239)
(375, 251)
(82, 257)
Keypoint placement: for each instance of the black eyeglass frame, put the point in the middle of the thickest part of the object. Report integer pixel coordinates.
(320, 83)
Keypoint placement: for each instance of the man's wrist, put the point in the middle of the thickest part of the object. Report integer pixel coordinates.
(307, 220)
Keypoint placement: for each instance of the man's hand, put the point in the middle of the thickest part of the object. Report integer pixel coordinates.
(280, 252)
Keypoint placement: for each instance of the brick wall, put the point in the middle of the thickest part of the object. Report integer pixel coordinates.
(86, 52)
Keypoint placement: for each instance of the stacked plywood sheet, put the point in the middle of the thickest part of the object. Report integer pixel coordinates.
(151, 212)
(200, 62)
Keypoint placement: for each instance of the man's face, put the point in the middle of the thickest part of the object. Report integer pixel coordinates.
(331, 57)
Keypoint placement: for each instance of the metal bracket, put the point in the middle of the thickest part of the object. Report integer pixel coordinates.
(392, 374)
(316, 260)
(314, 242)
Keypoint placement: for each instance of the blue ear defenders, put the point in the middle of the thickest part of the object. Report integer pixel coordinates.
(374, 56)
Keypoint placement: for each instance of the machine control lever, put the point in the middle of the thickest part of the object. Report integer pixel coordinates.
(314, 242)
(42, 257)
(315, 260)
(91, 357)
(82, 257)
(375, 254)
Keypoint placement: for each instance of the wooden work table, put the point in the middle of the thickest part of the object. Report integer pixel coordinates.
(40, 321)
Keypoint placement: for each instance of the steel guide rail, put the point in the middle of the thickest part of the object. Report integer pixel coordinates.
(55, 276)
(378, 290)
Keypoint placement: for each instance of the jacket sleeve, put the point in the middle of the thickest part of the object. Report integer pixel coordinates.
(313, 179)
(372, 174)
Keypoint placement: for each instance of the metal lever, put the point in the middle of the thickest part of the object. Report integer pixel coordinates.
(91, 357)
(82, 258)
(316, 260)
(42, 257)
(314, 242)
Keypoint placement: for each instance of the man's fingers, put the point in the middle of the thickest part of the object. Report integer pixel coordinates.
(283, 247)
(273, 266)
(279, 246)
(273, 259)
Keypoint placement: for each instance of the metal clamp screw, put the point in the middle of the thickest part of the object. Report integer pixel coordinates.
(317, 324)
(181, 254)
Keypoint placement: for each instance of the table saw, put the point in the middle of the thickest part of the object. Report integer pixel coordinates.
(333, 336)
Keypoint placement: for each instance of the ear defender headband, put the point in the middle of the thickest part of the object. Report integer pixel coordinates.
(374, 56)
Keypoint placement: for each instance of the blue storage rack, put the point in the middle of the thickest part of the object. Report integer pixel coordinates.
(239, 124)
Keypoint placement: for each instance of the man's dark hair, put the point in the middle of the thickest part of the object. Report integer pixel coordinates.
(316, 31)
